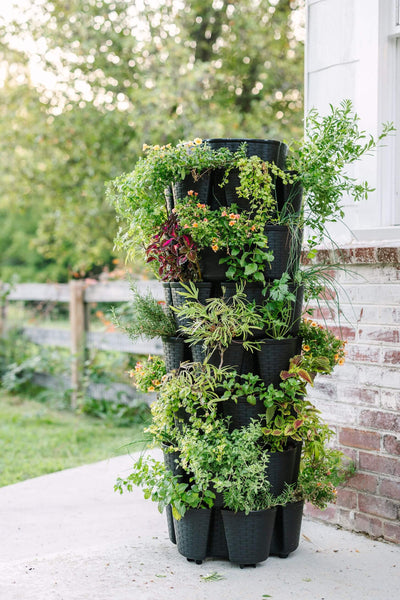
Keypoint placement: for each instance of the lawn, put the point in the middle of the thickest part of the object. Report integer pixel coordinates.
(35, 439)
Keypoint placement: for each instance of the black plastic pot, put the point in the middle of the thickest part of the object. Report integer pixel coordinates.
(241, 412)
(249, 536)
(285, 243)
(274, 357)
(289, 197)
(280, 469)
(286, 535)
(210, 267)
(217, 546)
(181, 188)
(191, 533)
(175, 351)
(204, 287)
(268, 150)
(170, 524)
(171, 461)
(252, 291)
(235, 356)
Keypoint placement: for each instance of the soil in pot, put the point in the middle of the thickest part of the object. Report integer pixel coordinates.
(249, 536)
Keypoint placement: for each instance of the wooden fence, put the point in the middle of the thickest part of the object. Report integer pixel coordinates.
(79, 294)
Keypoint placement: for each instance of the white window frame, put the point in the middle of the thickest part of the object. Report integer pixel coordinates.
(389, 110)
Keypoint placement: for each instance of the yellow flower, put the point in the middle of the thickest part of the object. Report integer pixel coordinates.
(215, 247)
(156, 147)
(145, 147)
(150, 388)
(341, 361)
(197, 141)
(306, 348)
(314, 324)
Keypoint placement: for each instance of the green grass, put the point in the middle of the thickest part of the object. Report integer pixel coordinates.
(35, 439)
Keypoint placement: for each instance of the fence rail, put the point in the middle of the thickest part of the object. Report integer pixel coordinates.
(79, 295)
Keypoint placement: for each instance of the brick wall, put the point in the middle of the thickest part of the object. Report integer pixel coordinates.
(361, 400)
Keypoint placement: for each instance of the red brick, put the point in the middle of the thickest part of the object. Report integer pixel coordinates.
(379, 507)
(380, 334)
(355, 438)
(390, 489)
(370, 525)
(358, 395)
(363, 255)
(379, 464)
(344, 332)
(391, 532)
(391, 357)
(363, 482)
(388, 255)
(377, 419)
(329, 514)
(363, 354)
(346, 498)
(391, 444)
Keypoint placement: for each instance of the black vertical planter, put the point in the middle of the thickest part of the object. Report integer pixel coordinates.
(204, 288)
(217, 532)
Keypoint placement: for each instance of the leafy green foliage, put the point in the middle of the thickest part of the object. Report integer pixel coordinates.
(161, 486)
(333, 143)
(217, 323)
(144, 316)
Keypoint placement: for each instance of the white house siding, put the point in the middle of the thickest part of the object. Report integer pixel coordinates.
(351, 53)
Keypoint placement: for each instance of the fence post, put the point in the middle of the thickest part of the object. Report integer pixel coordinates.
(78, 336)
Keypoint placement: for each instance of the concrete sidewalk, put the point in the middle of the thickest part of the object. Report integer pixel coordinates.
(68, 536)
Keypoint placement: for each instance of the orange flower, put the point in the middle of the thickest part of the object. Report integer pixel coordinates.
(314, 324)
(232, 216)
(306, 348)
(194, 224)
(215, 247)
(224, 213)
(151, 388)
(190, 193)
(341, 361)
(199, 205)
(231, 223)
(186, 226)
(253, 228)
(336, 356)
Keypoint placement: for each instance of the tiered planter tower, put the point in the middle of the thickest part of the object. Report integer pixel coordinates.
(216, 532)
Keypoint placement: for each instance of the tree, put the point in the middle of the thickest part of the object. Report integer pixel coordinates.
(123, 76)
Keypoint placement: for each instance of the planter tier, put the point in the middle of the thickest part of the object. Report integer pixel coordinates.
(217, 532)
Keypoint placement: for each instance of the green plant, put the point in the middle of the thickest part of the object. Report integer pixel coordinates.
(139, 197)
(188, 394)
(247, 385)
(161, 486)
(149, 374)
(144, 317)
(322, 469)
(277, 309)
(240, 234)
(289, 415)
(219, 322)
(318, 341)
(116, 413)
(332, 143)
